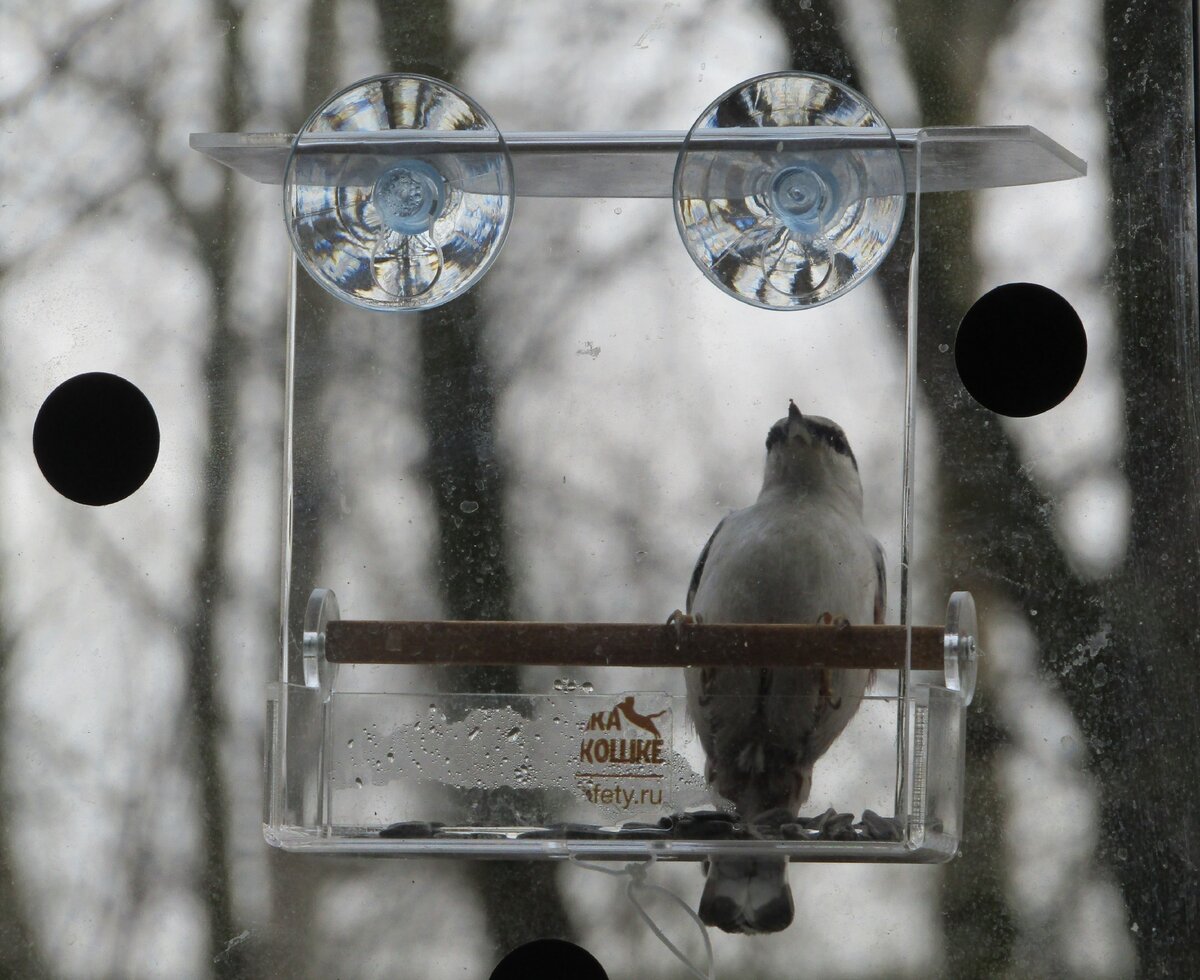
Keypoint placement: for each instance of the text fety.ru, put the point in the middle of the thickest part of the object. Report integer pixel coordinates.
(624, 798)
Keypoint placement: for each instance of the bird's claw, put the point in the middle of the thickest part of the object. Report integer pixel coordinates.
(828, 619)
(826, 691)
(678, 620)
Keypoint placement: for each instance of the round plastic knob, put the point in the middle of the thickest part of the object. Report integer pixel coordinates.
(789, 190)
(398, 193)
(322, 609)
(962, 645)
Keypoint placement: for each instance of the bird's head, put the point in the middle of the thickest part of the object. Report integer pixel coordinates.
(810, 453)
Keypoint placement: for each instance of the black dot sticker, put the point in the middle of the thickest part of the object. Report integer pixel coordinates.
(96, 438)
(549, 959)
(1020, 349)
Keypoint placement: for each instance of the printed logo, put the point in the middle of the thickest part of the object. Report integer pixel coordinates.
(623, 756)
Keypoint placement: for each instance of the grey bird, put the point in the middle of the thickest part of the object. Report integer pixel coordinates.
(799, 554)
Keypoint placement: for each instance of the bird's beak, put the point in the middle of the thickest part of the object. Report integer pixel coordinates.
(795, 423)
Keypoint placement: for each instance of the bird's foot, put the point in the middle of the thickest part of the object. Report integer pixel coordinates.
(828, 619)
(678, 620)
(837, 622)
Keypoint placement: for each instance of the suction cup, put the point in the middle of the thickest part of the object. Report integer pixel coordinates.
(398, 193)
(789, 190)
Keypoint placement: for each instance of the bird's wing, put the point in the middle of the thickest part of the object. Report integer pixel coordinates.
(880, 582)
(698, 571)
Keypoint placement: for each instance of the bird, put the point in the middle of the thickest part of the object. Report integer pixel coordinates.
(800, 553)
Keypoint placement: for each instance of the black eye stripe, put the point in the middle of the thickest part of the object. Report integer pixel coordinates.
(834, 439)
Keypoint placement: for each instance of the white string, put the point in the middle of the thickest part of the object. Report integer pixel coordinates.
(636, 870)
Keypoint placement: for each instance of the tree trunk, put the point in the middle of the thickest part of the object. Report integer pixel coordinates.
(1144, 722)
(19, 955)
(215, 238)
(459, 406)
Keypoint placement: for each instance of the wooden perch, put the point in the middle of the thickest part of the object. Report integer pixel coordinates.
(464, 644)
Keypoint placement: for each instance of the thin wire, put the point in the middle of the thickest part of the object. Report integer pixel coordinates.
(636, 871)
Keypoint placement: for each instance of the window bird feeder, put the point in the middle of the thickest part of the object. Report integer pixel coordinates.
(384, 736)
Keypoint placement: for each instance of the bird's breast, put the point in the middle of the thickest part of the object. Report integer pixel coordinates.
(788, 564)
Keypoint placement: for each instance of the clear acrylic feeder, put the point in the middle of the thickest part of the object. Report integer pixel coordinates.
(418, 738)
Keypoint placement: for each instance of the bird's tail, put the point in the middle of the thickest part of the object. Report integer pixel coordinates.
(747, 895)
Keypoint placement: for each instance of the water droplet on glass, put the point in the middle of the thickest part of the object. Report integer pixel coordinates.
(1100, 676)
(586, 687)
(513, 733)
(349, 743)
(468, 506)
(472, 734)
(358, 783)
(943, 348)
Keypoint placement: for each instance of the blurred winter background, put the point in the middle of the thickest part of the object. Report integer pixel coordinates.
(617, 404)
